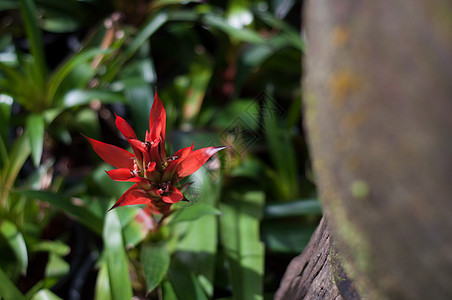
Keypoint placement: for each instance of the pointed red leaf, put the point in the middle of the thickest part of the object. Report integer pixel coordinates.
(125, 175)
(157, 119)
(176, 159)
(125, 128)
(143, 148)
(172, 196)
(115, 156)
(132, 196)
(129, 134)
(195, 160)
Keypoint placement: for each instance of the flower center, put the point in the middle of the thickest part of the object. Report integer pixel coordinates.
(164, 187)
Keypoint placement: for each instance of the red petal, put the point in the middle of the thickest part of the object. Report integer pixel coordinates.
(115, 156)
(183, 153)
(195, 160)
(179, 156)
(157, 118)
(143, 148)
(172, 196)
(125, 175)
(129, 134)
(125, 128)
(132, 196)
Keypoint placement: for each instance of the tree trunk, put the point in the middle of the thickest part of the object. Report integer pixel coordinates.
(378, 99)
(317, 272)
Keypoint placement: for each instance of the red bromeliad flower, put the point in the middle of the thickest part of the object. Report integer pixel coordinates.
(154, 173)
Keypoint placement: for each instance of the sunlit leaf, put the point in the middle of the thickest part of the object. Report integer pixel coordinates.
(197, 240)
(118, 269)
(16, 242)
(57, 247)
(45, 295)
(243, 34)
(200, 75)
(242, 210)
(193, 212)
(103, 289)
(155, 258)
(7, 288)
(35, 126)
(56, 266)
(168, 291)
(82, 97)
(16, 159)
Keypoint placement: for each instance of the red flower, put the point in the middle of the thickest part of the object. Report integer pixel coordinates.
(155, 175)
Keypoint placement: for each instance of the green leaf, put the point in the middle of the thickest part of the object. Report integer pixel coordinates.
(243, 34)
(56, 267)
(196, 242)
(16, 81)
(34, 35)
(294, 208)
(17, 243)
(103, 283)
(193, 212)
(118, 268)
(60, 74)
(138, 98)
(57, 247)
(81, 213)
(148, 29)
(156, 261)
(7, 288)
(16, 159)
(184, 282)
(8, 5)
(200, 74)
(281, 151)
(82, 97)
(106, 185)
(239, 226)
(35, 126)
(162, 3)
(286, 236)
(289, 33)
(168, 292)
(45, 295)
(137, 230)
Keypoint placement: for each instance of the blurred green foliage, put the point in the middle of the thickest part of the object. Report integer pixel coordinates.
(228, 74)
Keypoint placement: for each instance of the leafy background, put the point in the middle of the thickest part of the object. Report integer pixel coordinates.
(228, 74)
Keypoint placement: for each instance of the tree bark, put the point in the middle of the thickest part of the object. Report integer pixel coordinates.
(317, 272)
(378, 99)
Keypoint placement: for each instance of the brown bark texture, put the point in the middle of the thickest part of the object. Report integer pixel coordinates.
(316, 273)
(378, 103)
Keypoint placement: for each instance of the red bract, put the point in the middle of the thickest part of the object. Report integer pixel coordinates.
(154, 174)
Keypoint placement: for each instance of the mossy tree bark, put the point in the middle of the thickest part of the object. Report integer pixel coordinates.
(378, 100)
